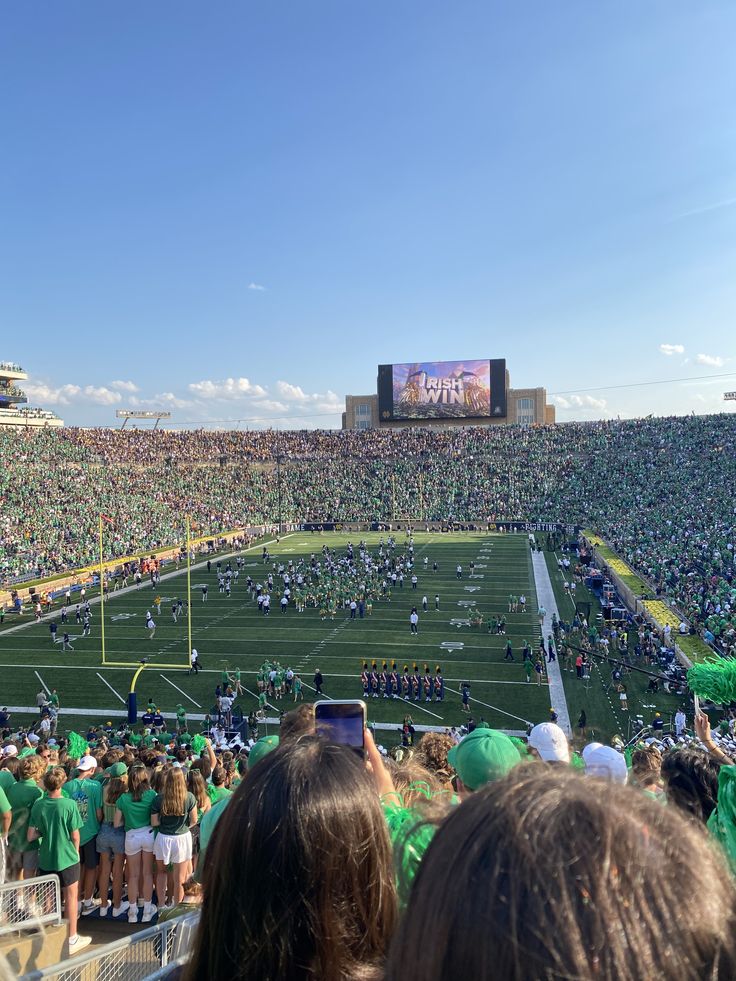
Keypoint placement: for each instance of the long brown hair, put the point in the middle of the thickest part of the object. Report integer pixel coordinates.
(306, 825)
(114, 788)
(138, 781)
(173, 793)
(196, 785)
(542, 876)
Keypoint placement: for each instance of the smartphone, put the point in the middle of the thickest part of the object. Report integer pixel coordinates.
(342, 721)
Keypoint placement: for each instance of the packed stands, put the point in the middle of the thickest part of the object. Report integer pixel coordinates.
(658, 490)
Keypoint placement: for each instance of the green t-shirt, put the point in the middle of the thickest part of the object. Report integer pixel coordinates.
(181, 716)
(87, 795)
(6, 779)
(209, 821)
(22, 796)
(136, 813)
(174, 824)
(56, 818)
(4, 802)
(220, 794)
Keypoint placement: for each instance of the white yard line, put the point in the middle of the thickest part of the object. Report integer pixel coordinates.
(42, 682)
(87, 667)
(180, 690)
(144, 584)
(116, 694)
(196, 717)
(546, 598)
(494, 707)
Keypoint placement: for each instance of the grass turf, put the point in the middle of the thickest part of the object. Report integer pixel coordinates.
(231, 633)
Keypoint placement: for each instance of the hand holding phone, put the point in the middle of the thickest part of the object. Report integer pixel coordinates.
(342, 721)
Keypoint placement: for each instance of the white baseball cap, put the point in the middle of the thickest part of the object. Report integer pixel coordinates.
(33, 737)
(87, 763)
(606, 763)
(10, 750)
(550, 742)
(590, 748)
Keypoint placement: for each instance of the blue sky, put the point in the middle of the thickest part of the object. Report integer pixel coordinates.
(237, 210)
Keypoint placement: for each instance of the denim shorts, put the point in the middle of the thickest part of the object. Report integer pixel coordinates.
(110, 840)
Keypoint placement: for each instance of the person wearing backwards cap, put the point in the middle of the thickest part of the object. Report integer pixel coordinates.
(482, 756)
(550, 743)
(87, 795)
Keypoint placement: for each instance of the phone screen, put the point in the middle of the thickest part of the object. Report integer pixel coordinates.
(341, 722)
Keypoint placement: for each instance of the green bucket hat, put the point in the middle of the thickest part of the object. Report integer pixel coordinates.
(260, 749)
(482, 756)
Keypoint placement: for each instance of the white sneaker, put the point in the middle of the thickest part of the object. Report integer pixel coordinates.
(149, 911)
(104, 909)
(122, 908)
(88, 906)
(133, 914)
(78, 943)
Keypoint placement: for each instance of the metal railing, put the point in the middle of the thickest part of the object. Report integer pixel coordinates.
(138, 957)
(30, 904)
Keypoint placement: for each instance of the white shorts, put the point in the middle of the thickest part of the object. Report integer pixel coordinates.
(172, 849)
(138, 840)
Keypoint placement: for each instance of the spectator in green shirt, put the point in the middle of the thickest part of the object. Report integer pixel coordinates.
(218, 782)
(56, 821)
(134, 814)
(9, 767)
(173, 812)
(181, 718)
(87, 795)
(6, 817)
(22, 796)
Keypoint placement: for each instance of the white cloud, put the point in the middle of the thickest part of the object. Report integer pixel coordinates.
(124, 386)
(579, 402)
(229, 388)
(324, 402)
(69, 394)
(292, 392)
(270, 405)
(170, 401)
(670, 349)
(712, 360)
(101, 395)
(257, 286)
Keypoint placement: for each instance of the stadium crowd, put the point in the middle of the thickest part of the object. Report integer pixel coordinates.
(658, 490)
(472, 855)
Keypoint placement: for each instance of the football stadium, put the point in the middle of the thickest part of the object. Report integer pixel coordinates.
(427, 573)
(367, 466)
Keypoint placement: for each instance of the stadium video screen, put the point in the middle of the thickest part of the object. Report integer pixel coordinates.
(442, 390)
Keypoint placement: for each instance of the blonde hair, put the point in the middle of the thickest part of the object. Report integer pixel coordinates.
(173, 793)
(31, 768)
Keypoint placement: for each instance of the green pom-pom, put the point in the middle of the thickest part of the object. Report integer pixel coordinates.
(577, 762)
(714, 679)
(198, 743)
(77, 747)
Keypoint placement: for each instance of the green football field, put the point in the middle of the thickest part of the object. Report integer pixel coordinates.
(230, 633)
